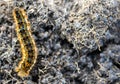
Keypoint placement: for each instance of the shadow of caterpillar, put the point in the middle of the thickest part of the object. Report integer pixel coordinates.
(27, 43)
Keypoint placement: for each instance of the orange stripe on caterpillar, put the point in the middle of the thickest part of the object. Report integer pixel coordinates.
(27, 43)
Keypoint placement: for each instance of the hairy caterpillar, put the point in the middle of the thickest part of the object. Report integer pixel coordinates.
(27, 43)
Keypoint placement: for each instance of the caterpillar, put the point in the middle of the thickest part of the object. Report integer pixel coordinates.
(27, 43)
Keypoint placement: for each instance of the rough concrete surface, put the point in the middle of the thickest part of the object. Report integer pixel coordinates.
(78, 41)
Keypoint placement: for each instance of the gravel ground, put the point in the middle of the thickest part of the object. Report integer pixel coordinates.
(78, 41)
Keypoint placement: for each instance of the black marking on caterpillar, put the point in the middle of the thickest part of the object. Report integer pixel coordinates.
(27, 43)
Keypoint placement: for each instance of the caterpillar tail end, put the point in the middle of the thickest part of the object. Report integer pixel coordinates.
(21, 73)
